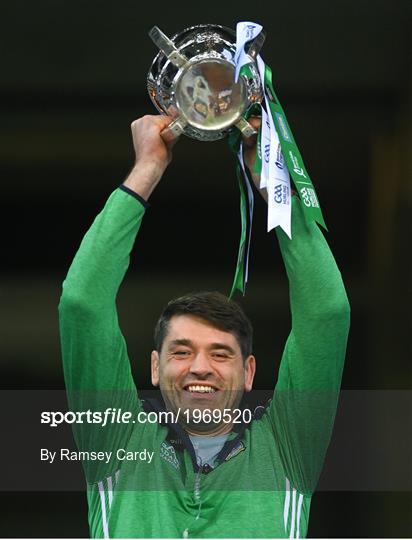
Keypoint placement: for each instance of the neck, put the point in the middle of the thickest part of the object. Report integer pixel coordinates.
(218, 430)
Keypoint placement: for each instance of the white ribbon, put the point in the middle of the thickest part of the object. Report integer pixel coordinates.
(274, 175)
(264, 149)
(278, 179)
(245, 31)
(278, 185)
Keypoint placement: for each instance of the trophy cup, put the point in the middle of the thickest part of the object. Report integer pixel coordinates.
(192, 79)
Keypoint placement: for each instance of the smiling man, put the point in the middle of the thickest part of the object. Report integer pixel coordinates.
(203, 360)
(215, 472)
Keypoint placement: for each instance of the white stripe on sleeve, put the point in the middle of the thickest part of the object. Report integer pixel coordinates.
(300, 501)
(110, 490)
(292, 525)
(287, 502)
(103, 505)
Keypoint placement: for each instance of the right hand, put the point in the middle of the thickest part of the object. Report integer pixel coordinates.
(153, 153)
(148, 144)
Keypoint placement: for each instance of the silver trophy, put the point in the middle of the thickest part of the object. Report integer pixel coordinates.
(192, 79)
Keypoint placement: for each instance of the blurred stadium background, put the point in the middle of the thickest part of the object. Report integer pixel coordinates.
(73, 77)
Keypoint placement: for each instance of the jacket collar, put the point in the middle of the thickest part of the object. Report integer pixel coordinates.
(179, 438)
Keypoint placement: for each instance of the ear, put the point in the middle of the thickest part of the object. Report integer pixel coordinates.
(155, 368)
(250, 370)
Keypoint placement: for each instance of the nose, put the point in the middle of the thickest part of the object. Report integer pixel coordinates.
(200, 365)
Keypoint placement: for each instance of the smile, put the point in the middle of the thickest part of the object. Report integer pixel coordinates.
(203, 389)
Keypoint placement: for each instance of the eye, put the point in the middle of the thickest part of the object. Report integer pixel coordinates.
(181, 354)
(220, 355)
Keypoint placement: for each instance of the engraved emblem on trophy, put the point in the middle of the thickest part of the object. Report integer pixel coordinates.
(192, 79)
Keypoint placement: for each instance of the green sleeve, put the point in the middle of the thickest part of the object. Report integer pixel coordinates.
(303, 408)
(96, 365)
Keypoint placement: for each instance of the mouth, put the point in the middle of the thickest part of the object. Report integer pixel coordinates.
(204, 389)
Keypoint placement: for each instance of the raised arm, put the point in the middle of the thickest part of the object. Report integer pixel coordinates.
(303, 409)
(307, 390)
(96, 366)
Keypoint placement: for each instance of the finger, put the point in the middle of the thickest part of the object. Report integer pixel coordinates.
(169, 137)
(172, 111)
(255, 121)
(163, 121)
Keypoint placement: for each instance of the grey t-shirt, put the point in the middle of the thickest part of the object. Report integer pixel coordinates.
(207, 447)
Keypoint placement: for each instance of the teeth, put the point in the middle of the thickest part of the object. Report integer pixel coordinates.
(201, 388)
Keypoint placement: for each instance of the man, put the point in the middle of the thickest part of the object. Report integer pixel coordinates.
(214, 473)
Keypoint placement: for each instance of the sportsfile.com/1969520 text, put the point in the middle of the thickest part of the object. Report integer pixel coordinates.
(112, 415)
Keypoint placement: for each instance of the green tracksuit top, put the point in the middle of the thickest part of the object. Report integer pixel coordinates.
(266, 473)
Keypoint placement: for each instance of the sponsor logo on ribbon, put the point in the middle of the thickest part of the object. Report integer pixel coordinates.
(250, 31)
(296, 165)
(280, 162)
(283, 127)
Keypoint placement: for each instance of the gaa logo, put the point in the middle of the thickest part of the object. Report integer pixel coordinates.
(278, 194)
(305, 197)
(267, 152)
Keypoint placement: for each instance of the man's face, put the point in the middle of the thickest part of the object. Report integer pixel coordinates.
(201, 367)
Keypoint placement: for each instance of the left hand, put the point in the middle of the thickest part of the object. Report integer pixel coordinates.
(249, 144)
(249, 154)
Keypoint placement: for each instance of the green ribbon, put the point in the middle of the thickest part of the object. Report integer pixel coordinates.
(246, 209)
(292, 156)
(239, 281)
(257, 166)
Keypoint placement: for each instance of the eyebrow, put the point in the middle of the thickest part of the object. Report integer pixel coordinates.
(189, 343)
(222, 346)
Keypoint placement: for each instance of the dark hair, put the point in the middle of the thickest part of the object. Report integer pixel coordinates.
(215, 308)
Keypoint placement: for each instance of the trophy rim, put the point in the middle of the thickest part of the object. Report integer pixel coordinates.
(204, 26)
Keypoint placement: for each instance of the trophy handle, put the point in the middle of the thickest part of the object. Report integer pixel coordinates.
(244, 126)
(255, 45)
(167, 46)
(174, 129)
